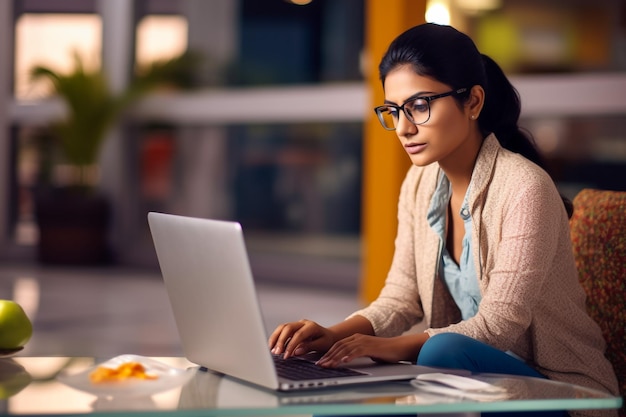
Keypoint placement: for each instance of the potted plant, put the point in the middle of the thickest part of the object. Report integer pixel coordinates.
(73, 216)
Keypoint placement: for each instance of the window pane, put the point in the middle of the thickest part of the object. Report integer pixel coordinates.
(160, 37)
(51, 39)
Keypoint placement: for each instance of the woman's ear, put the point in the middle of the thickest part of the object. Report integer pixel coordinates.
(475, 102)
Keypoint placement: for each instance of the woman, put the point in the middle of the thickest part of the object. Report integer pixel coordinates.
(483, 252)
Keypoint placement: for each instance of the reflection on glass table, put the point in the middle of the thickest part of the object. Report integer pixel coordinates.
(44, 386)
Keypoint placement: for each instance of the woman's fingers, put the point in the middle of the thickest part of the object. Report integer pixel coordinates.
(282, 336)
(341, 352)
(274, 337)
(290, 338)
(353, 347)
(298, 344)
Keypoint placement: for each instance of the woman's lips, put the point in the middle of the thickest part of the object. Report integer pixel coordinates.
(414, 148)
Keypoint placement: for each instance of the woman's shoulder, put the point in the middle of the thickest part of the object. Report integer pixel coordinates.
(506, 171)
(519, 181)
(511, 177)
(514, 167)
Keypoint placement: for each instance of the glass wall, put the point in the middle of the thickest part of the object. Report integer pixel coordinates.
(284, 43)
(295, 186)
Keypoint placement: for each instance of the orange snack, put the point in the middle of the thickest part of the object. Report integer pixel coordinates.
(123, 372)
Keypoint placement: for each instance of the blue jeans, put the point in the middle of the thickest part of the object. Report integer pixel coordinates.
(452, 350)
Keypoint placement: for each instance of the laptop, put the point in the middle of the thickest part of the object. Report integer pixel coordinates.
(206, 272)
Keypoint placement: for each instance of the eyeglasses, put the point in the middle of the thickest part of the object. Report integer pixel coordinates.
(416, 110)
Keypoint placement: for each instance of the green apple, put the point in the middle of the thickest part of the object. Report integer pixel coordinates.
(15, 326)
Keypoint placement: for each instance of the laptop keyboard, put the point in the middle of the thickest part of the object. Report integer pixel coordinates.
(297, 369)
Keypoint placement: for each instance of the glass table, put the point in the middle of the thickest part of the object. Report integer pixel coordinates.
(39, 386)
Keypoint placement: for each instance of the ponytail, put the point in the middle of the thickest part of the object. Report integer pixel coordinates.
(500, 115)
(501, 111)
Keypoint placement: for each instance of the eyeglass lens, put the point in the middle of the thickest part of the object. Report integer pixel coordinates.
(417, 111)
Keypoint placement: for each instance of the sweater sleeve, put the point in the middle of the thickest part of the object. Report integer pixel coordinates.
(398, 306)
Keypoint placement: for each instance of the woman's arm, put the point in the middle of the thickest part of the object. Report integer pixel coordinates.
(380, 349)
(398, 306)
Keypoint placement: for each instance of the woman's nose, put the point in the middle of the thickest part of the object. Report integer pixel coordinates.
(404, 126)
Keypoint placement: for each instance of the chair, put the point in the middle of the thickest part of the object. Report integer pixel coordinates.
(598, 231)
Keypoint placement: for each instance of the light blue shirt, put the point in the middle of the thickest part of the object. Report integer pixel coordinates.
(461, 279)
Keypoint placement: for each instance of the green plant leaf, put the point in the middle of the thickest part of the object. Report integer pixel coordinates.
(93, 108)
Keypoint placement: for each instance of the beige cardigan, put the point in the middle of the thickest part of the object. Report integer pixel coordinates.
(532, 303)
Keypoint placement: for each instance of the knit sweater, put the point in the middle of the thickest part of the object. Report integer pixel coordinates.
(532, 303)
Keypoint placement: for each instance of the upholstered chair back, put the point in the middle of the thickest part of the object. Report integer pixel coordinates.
(598, 230)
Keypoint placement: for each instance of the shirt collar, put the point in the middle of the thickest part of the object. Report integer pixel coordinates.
(483, 169)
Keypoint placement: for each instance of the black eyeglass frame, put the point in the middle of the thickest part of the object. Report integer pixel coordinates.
(378, 110)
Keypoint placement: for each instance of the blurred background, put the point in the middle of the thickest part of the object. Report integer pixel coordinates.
(265, 119)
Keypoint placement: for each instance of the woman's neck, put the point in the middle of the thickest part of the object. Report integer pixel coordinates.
(459, 166)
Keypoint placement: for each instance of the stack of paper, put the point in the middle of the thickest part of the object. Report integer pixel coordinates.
(458, 386)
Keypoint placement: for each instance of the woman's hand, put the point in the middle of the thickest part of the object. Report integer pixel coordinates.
(380, 349)
(300, 337)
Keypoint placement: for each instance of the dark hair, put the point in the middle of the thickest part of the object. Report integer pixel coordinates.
(451, 57)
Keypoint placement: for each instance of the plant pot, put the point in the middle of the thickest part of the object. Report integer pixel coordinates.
(73, 228)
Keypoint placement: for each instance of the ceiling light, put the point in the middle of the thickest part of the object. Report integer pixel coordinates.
(437, 12)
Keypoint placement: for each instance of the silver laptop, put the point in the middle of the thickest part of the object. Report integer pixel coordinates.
(209, 283)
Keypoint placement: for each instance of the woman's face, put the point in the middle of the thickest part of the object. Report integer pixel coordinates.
(446, 136)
